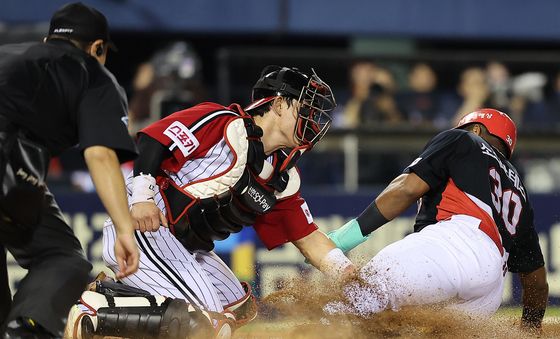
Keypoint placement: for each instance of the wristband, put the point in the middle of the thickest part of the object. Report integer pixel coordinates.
(348, 236)
(371, 219)
(335, 263)
(143, 188)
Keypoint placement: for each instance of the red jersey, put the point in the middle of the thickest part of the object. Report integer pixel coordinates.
(195, 137)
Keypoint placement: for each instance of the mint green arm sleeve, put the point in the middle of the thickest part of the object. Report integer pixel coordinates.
(348, 236)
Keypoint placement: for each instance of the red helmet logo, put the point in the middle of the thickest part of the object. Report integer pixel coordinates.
(497, 123)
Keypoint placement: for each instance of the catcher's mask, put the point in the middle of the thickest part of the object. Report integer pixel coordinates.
(314, 97)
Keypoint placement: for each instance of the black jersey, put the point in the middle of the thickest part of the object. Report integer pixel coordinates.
(468, 176)
(63, 97)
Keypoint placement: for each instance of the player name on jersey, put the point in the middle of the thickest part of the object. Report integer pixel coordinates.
(511, 174)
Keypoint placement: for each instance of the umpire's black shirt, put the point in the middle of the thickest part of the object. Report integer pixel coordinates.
(63, 97)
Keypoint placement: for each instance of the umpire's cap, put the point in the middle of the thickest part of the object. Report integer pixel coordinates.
(80, 22)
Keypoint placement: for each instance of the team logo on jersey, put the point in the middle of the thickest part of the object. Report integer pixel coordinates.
(182, 138)
(307, 213)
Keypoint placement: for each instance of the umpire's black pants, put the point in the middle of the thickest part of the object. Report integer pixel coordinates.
(57, 274)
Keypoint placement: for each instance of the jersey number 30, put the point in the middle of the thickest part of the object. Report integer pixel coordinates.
(507, 203)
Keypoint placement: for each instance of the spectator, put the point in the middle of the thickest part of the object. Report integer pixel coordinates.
(553, 101)
(380, 107)
(527, 107)
(168, 82)
(421, 102)
(499, 85)
(373, 98)
(361, 77)
(474, 92)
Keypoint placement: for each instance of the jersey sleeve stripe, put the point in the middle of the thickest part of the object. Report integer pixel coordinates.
(195, 126)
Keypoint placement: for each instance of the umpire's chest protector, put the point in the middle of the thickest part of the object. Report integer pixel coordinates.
(212, 208)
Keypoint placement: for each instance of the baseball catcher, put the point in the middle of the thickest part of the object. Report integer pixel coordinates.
(208, 171)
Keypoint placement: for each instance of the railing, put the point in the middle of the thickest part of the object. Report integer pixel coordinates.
(238, 67)
(409, 140)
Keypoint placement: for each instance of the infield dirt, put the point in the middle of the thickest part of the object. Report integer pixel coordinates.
(296, 311)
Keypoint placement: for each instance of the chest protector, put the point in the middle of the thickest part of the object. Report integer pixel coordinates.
(213, 208)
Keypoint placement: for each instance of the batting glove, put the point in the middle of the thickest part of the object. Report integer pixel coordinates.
(348, 236)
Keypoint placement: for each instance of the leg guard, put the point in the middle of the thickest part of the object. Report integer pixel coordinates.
(137, 317)
(245, 309)
(235, 314)
(224, 325)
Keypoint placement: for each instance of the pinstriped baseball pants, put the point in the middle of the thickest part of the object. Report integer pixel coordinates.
(167, 268)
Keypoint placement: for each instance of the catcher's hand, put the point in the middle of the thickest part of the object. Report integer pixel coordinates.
(348, 236)
(147, 217)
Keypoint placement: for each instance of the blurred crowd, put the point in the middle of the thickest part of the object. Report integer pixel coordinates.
(400, 96)
(378, 99)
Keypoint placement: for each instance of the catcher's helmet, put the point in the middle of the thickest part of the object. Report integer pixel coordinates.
(314, 96)
(497, 123)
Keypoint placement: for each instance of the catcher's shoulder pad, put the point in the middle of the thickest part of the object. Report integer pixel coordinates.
(209, 209)
(235, 135)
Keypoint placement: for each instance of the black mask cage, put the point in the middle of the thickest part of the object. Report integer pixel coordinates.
(316, 101)
(314, 97)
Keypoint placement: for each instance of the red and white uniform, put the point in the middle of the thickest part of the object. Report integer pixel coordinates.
(200, 152)
(474, 223)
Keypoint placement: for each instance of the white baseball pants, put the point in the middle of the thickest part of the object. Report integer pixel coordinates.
(450, 262)
(167, 268)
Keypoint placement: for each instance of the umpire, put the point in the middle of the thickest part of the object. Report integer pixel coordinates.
(55, 95)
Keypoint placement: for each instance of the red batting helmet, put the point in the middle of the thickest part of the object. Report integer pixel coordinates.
(497, 123)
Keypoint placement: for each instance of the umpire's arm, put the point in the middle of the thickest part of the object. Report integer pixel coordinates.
(535, 298)
(104, 167)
